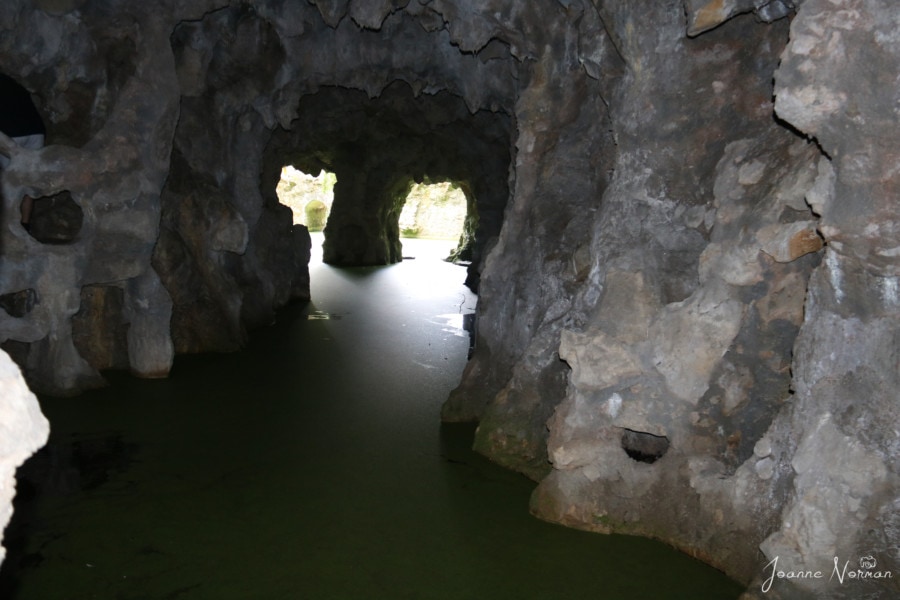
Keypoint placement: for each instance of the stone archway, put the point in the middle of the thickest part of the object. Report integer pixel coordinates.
(379, 147)
(438, 210)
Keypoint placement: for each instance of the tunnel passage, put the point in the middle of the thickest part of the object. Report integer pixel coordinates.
(261, 89)
(378, 148)
(435, 210)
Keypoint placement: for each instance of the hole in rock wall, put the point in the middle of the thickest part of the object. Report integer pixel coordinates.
(308, 196)
(433, 211)
(644, 447)
(54, 219)
(18, 304)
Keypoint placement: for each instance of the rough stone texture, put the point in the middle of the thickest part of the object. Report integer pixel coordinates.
(708, 373)
(704, 15)
(563, 157)
(843, 500)
(782, 445)
(23, 429)
(110, 159)
(688, 295)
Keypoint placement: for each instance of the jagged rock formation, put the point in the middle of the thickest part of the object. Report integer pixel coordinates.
(688, 292)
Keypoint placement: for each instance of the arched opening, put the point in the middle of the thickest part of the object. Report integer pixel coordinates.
(379, 149)
(436, 211)
(433, 211)
(436, 216)
(308, 196)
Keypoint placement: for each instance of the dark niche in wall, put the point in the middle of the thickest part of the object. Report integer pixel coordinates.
(18, 304)
(55, 219)
(644, 447)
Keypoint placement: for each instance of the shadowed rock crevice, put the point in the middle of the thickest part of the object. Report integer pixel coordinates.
(56, 219)
(644, 447)
(18, 304)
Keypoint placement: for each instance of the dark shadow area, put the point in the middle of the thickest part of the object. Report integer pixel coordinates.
(56, 219)
(65, 467)
(18, 304)
(644, 447)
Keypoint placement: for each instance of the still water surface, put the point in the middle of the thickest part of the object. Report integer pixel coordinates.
(311, 465)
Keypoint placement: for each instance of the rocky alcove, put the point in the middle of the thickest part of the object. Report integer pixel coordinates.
(687, 229)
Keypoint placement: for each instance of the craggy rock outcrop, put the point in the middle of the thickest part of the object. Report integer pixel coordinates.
(704, 15)
(113, 176)
(23, 429)
(564, 152)
(705, 419)
(688, 293)
(843, 419)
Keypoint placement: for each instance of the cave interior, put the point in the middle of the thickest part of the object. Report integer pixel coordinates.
(682, 228)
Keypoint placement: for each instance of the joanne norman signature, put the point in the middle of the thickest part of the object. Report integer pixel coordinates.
(839, 573)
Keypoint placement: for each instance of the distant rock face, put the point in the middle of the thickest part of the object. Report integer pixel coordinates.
(688, 293)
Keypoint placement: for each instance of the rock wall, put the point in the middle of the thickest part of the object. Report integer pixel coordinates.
(111, 160)
(23, 430)
(687, 320)
(748, 408)
(843, 418)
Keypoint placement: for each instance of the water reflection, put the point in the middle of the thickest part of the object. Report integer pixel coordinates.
(318, 315)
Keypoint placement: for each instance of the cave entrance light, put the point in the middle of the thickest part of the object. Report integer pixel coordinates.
(433, 220)
(310, 198)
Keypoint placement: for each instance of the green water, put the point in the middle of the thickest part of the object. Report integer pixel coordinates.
(311, 465)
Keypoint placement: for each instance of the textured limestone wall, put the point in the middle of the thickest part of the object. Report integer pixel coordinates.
(563, 159)
(23, 429)
(111, 159)
(688, 292)
(750, 416)
(843, 418)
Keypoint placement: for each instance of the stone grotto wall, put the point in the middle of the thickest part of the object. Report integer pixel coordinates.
(744, 410)
(687, 274)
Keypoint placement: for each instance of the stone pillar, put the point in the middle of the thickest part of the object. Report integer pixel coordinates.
(149, 308)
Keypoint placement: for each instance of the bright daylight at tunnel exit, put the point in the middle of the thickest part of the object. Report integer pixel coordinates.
(435, 211)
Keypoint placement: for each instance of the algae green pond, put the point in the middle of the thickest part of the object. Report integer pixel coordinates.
(311, 465)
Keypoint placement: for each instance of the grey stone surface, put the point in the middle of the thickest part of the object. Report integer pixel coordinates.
(704, 15)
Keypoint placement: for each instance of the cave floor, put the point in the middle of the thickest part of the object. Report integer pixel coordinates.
(310, 465)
